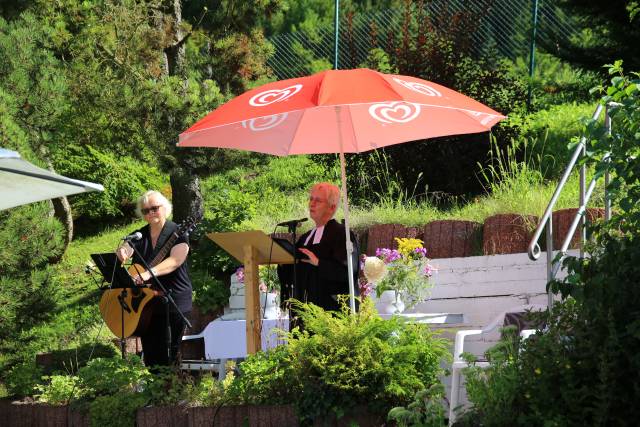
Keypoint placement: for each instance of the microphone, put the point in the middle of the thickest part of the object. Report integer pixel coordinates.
(135, 236)
(293, 222)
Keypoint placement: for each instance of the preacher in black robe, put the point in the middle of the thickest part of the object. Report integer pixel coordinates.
(322, 270)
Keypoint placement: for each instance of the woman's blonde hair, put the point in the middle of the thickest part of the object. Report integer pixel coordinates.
(159, 196)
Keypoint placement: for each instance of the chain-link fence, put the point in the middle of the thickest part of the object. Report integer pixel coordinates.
(505, 26)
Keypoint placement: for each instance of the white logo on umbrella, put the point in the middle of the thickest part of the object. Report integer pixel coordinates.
(274, 95)
(264, 123)
(418, 87)
(394, 112)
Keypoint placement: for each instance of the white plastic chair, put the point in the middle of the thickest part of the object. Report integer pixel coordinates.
(459, 363)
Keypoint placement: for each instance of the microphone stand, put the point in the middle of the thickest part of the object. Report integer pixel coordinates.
(166, 300)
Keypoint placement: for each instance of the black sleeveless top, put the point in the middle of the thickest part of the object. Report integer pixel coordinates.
(177, 282)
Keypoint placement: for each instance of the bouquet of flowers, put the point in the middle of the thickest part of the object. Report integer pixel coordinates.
(405, 270)
(268, 278)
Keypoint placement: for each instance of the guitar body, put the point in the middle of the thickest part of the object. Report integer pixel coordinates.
(136, 315)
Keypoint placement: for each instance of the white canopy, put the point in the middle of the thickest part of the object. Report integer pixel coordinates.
(22, 182)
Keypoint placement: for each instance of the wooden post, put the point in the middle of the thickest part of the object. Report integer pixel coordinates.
(251, 298)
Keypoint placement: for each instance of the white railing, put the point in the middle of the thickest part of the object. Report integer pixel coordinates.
(546, 222)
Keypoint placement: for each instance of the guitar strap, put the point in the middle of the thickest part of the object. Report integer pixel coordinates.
(169, 228)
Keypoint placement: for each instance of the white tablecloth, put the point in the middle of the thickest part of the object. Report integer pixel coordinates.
(227, 339)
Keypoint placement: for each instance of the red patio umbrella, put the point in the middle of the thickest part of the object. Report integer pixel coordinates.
(339, 111)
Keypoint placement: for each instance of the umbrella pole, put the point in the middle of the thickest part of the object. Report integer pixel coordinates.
(345, 204)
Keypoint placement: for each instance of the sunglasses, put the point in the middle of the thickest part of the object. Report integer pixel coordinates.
(150, 209)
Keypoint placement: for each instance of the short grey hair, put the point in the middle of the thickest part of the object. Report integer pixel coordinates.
(331, 191)
(158, 195)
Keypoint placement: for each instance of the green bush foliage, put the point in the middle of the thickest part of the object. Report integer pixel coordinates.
(123, 178)
(109, 389)
(112, 389)
(426, 410)
(341, 361)
(495, 391)
(22, 379)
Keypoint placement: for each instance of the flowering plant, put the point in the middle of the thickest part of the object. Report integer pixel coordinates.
(405, 270)
(268, 278)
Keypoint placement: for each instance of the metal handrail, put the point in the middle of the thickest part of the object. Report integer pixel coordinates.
(546, 222)
(579, 217)
(534, 248)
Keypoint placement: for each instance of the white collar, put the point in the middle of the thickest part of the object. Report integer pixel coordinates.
(317, 235)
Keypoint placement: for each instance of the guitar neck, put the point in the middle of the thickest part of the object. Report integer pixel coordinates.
(164, 250)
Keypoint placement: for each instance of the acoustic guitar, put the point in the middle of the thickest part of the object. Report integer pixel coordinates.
(127, 311)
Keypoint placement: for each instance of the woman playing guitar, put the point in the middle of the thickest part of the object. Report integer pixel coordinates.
(169, 266)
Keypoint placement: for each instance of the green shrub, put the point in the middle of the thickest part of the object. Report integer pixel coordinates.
(494, 391)
(118, 410)
(426, 410)
(60, 390)
(122, 177)
(225, 208)
(209, 293)
(343, 361)
(124, 374)
(63, 329)
(26, 301)
(22, 379)
(265, 378)
(211, 392)
(110, 389)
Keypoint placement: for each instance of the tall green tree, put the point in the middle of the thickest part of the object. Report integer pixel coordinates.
(609, 30)
(140, 72)
(35, 97)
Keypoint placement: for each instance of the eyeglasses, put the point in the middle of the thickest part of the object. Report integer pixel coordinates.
(316, 199)
(150, 209)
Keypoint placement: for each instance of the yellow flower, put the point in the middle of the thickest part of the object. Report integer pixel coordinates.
(538, 371)
(407, 246)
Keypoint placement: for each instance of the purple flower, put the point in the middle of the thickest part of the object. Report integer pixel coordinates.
(365, 288)
(421, 252)
(428, 270)
(388, 255)
(240, 274)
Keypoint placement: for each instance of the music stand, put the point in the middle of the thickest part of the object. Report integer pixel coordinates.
(117, 277)
(112, 270)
